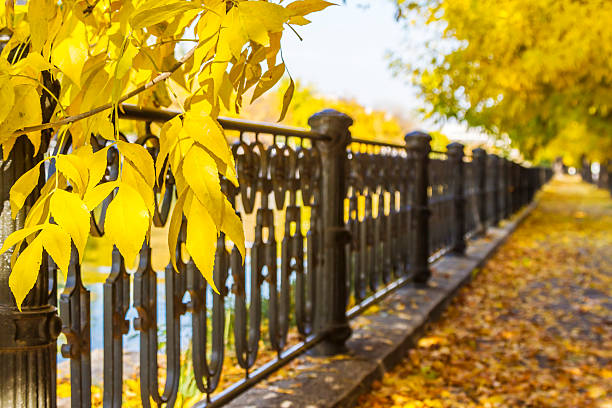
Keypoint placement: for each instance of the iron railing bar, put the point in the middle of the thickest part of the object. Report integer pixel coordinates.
(375, 143)
(261, 373)
(439, 254)
(390, 288)
(133, 112)
(378, 296)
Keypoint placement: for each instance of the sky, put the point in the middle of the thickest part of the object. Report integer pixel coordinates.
(342, 55)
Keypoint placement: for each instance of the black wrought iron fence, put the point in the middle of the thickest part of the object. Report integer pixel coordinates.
(332, 225)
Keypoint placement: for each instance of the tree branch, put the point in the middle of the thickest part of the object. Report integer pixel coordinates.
(75, 118)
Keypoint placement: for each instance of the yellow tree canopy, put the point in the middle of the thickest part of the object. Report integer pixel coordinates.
(369, 124)
(65, 69)
(531, 69)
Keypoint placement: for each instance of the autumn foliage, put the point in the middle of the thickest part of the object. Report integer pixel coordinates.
(83, 59)
(538, 71)
(533, 327)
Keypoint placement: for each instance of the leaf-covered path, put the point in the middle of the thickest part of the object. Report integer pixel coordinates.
(534, 328)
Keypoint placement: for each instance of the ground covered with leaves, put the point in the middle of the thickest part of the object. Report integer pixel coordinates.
(534, 327)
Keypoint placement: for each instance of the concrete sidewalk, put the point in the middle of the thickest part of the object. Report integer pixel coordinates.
(534, 328)
(381, 337)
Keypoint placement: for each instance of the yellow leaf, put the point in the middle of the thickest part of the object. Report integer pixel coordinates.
(200, 172)
(232, 227)
(127, 222)
(207, 132)
(287, 99)
(299, 20)
(32, 64)
(304, 7)
(71, 50)
(97, 167)
(147, 16)
(71, 213)
(97, 194)
(74, 169)
(22, 188)
(229, 172)
(25, 271)
(132, 177)
(39, 213)
(7, 96)
(140, 157)
(18, 236)
(56, 242)
(124, 65)
(96, 92)
(232, 38)
(175, 227)
(39, 13)
(258, 18)
(201, 239)
(168, 137)
(268, 80)
(25, 113)
(596, 391)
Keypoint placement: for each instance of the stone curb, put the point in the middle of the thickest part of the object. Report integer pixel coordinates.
(381, 337)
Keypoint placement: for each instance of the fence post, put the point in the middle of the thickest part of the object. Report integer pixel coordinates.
(455, 156)
(480, 158)
(586, 170)
(507, 188)
(27, 338)
(331, 290)
(418, 147)
(501, 191)
(515, 188)
(494, 177)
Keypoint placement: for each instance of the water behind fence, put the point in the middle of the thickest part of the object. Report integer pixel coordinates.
(332, 225)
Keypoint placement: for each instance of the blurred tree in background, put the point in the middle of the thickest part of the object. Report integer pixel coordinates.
(539, 71)
(370, 124)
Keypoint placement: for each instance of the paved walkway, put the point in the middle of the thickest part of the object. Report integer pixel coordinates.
(534, 328)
